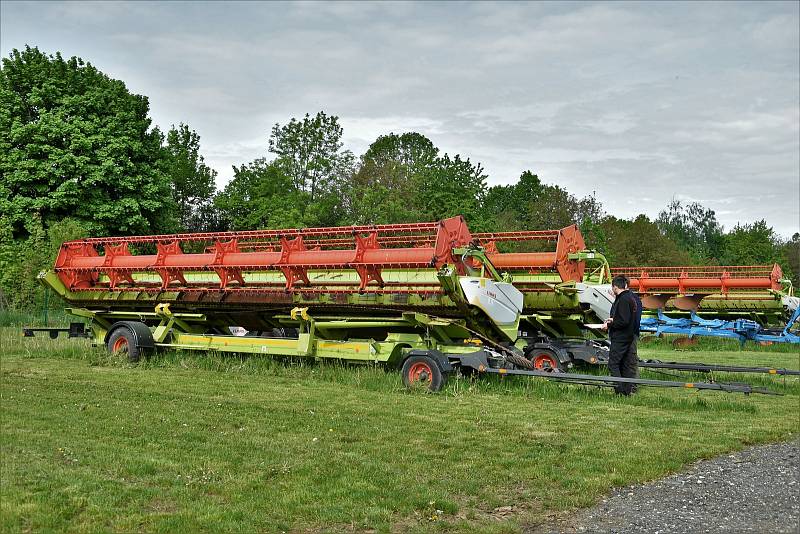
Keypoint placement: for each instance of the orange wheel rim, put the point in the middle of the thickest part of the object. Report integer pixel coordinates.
(544, 362)
(120, 345)
(420, 372)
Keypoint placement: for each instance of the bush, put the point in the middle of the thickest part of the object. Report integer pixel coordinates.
(21, 260)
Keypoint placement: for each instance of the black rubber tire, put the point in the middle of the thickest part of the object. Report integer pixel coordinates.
(415, 366)
(115, 340)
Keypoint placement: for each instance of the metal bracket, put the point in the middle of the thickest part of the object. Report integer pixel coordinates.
(307, 333)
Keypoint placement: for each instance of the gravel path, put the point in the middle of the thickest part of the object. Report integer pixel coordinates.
(755, 490)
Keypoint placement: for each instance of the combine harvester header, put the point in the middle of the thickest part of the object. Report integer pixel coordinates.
(428, 298)
(384, 268)
(232, 255)
(368, 250)
(737, 302)
(714, 287)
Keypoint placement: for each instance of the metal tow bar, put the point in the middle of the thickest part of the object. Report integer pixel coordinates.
(610, 381)
(481, 365)
(711, 367)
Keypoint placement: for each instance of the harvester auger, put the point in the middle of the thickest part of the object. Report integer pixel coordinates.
(427, 298)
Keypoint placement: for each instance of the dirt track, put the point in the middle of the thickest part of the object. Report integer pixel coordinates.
(755, 490)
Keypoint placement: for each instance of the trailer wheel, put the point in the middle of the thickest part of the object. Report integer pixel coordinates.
(423, 372)
(545, 360)
(122, 343)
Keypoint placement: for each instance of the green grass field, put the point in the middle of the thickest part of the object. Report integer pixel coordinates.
(188, 442)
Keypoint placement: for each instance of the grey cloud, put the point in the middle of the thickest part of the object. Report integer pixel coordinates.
(638, 102)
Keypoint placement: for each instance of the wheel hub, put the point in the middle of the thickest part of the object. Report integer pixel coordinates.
(420, 372)
(545, 362)
(120, 345)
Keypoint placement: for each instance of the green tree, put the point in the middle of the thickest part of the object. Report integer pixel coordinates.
(402, 178)
(638, 242)
(409, 153)
(694, 228)
(380, 191)
(791, 259)
(529, 204)
(310, 152)
(554, 207)
(752, 244)
(191, 180)
(508, 205)
(451, 186)
(589, 213)
(22, 259)
(261, 195)
(75, 143)
(379, 194)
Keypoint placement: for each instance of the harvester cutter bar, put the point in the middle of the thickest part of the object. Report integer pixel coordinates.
(611, 381)
(294, 252)
(153, 288)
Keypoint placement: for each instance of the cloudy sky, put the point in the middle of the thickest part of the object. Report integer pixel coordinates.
(638, 103)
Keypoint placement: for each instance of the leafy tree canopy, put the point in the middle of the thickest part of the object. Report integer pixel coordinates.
(694, 228)
(402, 178)
(555, 207)
(639, 242)
(751, 244)
(451, 186)
(310, 152)
(382, 188)
(511, 202)
(790, 259)
(412, 152)
(191, 180)
(75, 143)
(261, 195)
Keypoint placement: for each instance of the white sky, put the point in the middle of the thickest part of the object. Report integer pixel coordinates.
(640, 103)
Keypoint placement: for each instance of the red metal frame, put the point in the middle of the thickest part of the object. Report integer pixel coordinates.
(366, 249)
(568, 240)
(705, 279)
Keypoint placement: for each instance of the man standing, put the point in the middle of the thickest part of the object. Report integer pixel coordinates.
(623, 329)
(635, 343)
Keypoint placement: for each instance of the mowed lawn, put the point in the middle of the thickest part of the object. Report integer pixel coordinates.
(190, 442)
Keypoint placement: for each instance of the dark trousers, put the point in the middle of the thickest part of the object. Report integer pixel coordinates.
(623, 361)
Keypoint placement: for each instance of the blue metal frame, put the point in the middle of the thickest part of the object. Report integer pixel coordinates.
(740, 329)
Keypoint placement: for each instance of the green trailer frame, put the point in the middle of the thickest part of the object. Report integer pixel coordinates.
(317, 338)
(425, 349)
